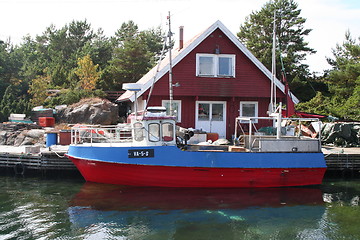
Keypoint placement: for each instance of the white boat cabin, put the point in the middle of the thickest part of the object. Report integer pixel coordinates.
(153, 128)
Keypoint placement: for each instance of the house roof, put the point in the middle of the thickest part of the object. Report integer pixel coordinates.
(162, 68)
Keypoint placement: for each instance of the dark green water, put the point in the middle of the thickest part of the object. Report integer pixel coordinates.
(34, 208)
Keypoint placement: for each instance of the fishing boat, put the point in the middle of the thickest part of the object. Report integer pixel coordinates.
(148, 152)
(151, 150)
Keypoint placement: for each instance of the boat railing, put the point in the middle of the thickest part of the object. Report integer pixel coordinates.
(250, 139)
(101, 134)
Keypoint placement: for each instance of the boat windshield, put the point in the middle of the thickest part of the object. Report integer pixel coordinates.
(167, 132)
(154, 132)
(138, 132)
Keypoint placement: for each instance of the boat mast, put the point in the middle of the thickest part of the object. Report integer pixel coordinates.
(275, 111)
(273, 70)
(170, 68)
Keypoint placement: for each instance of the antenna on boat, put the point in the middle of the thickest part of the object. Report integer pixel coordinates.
(170, 67)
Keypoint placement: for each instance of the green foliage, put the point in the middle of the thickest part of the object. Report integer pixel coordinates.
(51, 61)
(130, 62)
(319, 104)
(38, 89)
(257, 31)
(134, 54)
(346, 67)
(88, 73)
(14, 101)
(344, 79)
(341, 98)
(10, 65)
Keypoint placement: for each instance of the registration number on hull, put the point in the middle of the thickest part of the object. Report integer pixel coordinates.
(141, 153)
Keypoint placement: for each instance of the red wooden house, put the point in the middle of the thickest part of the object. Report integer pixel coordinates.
(216, 79)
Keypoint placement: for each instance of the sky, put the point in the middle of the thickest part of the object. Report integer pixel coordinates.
(329, 19)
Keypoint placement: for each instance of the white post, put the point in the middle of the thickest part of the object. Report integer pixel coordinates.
(278, 119)
(135, 105)
(250, 132)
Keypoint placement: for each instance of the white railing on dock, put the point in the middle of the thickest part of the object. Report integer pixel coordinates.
(101, 134)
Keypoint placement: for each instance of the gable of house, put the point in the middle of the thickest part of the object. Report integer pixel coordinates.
(215, 36)
(217, 79)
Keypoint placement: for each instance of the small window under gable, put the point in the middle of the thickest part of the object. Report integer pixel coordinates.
(248, 109)
(215, 65)
(176, 106)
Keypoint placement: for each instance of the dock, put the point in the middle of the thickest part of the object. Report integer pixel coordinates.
(342, 159)
(53, 159)
(46, 160)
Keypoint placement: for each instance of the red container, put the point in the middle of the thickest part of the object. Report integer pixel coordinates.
(212, 136)
(65, 137)
(46, 121)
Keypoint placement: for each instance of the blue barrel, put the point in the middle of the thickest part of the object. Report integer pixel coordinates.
(51, 139)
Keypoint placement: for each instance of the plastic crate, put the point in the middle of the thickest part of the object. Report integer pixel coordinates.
(46, 121)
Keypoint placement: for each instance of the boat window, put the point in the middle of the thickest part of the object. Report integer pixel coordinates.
(138, 132)
(154, 132)
(167, 132)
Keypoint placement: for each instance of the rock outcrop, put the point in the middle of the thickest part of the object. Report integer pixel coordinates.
(342, 134)
(21, 134)
(89, 111)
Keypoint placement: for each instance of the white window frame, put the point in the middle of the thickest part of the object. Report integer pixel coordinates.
(178, 113)
(215, 69)
(256, 110)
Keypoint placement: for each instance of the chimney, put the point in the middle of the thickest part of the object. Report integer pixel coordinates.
(181, 37)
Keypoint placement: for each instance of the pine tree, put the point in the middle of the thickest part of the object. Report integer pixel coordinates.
(344, 79)
(257, 31)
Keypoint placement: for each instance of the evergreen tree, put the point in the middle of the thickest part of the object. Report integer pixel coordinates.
(257, 31)
(342, 99)
(134, 54)
(50, 61)
(344, 79)
(13, 101)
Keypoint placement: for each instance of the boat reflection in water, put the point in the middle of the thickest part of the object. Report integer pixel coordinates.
(170, 213)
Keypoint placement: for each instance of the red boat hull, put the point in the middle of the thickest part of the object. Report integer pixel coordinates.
(166, 176)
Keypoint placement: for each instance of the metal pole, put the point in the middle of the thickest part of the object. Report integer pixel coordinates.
(273, 70)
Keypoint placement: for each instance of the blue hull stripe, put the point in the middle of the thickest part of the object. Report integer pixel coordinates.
(173, 156)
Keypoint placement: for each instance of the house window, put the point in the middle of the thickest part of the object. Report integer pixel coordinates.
(248, 109)
(176, 106)
(215, 65)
